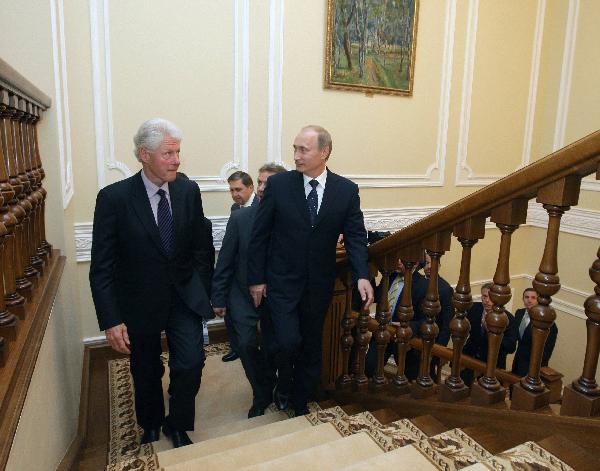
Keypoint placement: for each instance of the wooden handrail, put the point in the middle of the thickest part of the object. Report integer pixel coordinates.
(579, 158)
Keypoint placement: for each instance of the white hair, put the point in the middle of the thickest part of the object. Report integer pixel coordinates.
(152, 132)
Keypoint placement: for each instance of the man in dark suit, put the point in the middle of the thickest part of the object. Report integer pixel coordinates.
(151, 271)
(477, 343)
(292, 259)
(230, 297)
(241, 188)
(520, 365)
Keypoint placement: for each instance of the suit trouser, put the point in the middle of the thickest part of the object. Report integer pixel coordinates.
(186, 359)
(231, 333)
(298, 333)
(259, 372)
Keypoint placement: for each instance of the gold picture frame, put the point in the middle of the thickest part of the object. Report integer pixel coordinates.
(370, 45)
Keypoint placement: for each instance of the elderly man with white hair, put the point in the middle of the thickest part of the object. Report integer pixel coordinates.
(151, 272)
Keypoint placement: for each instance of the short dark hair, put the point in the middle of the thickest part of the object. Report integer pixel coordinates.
(240, 175)
(528, 289)
(323, 137)
(487, 285)
(272, 167)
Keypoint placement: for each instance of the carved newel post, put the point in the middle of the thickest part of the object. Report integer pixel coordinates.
(468, 233)
(488, 390)
(382, 336)
(345, 380)
(531, 393)
(363, 338)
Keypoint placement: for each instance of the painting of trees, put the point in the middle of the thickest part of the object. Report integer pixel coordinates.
(371, 45)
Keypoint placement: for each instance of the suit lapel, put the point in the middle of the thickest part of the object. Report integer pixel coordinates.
(300, 197)
(328, 196)
(141, 206)
(176, 197)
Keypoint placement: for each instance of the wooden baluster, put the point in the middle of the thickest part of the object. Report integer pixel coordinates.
(45, 248)
(364, 337)
(345, 380)
(25, 197)
(35, 197)
(531, 393)
(435, 246)
(582, 397)
(10, 262)
(8, 321)
(382, 336)
(3, 352)
(406, 313)
(39, 222)
(488, 390)
(23, 284)
(468, 233)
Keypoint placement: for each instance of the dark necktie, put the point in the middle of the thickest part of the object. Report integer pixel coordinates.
(165, 222)
(313, 202)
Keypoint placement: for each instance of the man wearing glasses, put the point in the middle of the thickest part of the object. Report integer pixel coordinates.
(151, 272)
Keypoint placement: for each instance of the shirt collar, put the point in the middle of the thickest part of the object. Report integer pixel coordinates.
(151, 188)
(321, 178)
(248, 203)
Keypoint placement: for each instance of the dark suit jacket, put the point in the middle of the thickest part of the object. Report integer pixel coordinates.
(289, 255)
(230, 281)
(235, 206)
(131, 276)
(477, 343)
(520, 365)
(443, 319)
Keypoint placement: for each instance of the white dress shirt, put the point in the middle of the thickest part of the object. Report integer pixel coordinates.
(321, 179)
(248, 203)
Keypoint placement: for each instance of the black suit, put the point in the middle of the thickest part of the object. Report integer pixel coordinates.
(134, 281)
(230, 289)
(520, 365)
(477, 343)
(231, 332)
(298, 264)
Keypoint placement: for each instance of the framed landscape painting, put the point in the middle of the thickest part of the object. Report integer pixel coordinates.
(371, 45)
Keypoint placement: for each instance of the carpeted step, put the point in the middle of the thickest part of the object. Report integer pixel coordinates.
(265, 450)
(226, 442)
(407, 458)
(329, 456)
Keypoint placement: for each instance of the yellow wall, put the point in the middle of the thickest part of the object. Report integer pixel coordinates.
(480, 109)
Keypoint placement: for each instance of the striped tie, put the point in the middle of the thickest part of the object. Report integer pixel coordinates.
(393, 291)
(165, 222)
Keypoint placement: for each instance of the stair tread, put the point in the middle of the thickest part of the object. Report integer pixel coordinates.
(407, 458)
(429, 425)
(333, 455)
(243, 437)
(491, 440)
(386, 416)
(265, 450)
(571, 453)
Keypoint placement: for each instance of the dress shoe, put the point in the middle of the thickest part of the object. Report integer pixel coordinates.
(302, 410)
(255, 411)
(281, 400)
(230, 356)
(178, 437)
(151, 435)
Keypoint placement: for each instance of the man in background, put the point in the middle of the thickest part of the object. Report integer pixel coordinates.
(230, 298)
(241, 188)
(520, 365)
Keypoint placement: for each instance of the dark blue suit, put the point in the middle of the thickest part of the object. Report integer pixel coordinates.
(134, 281)
(298, 264)
(520, 365)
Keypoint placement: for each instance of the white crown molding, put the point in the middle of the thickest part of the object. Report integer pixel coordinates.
(566, 74)
(578, 221)
(465, 175)
(61, 90)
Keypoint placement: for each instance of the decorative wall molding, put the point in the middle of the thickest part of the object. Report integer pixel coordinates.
(275, 109)
(582, 222)
(61, 90)
(465, 175)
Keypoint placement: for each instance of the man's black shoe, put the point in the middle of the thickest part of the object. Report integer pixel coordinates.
(255, 411)
(151, 435)
(298, 411)
(178, 438)
(230, 356)
(281, 400)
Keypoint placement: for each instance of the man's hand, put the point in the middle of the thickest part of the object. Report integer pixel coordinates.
(257, 292)
(219, 311)
(118, 339)
(366, 292)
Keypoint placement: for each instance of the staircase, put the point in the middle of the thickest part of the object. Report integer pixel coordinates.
(348, 438)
